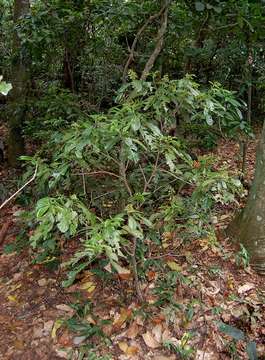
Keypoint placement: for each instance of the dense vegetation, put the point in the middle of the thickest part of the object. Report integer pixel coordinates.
(115, 106)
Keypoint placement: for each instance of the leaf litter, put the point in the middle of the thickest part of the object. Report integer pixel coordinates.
(186, 298)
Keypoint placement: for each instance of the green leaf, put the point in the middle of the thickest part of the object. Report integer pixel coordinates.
(218, 9)
(42, 211)
(132, 223)
(231, 331)
(42, 207)
(209, 120)
(63, 225)
(72, 274)
(252, 351)
(5, 88)
(136, 124)
(199, 6)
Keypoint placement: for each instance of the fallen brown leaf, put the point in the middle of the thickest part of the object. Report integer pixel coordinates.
(125, 314)
(245, 288)
(133, 330)
(150, 341)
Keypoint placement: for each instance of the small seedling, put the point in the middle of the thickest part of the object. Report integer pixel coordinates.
(242, 257)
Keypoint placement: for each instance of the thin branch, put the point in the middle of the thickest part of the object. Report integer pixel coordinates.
(153, 173)
(112, 158)
(176, 177)
(139, 33)
(144, 177)
(224, 26)
(124, 177)
(159, 44)
(20, 189)
(103, 172)
(99, 172)
(84, 184)
(135, 272)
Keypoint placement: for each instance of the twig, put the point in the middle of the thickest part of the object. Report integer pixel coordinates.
(165, 255)
(139, 33)
(124, 178)
(135, 272)
(84, 184)
(20, 189)
(144, 177)
(161, 187)
(153, 173)
(176, 177)
(99, 172)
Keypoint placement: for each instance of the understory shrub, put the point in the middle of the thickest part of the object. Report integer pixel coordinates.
(113, 180)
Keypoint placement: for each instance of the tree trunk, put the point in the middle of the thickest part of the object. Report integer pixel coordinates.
(20, 85)
(248, 228)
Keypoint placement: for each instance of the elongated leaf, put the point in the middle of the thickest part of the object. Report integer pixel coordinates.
(199, 6)
(231, 331)
(252, 351)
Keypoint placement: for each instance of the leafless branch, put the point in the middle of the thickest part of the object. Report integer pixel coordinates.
(99, 172)
(135, 272)
(139, 33)
(20, 189)
(159, 43)
(153, 173)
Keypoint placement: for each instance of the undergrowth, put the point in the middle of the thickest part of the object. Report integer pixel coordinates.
(114, 180)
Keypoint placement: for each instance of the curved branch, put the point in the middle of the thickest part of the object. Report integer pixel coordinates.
(20, 189)
(139, 33)
(159, 44)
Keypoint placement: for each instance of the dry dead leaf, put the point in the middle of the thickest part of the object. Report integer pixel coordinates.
(139, 320)
(42, 282)
(123, 273)
(157, 332)
(107, 329)
(89, 286)
(128, 350)
(166, 335)
(202, 355)
(245, 288)
(239, 310)
(58, 323)
(12, 298)
(90, 320)
(125, 276)
(123, 346)
(133, 330)
(108, 268)
(226, 316)
(125, 314)
(65, 308)
(150, 341)
(174, 266)
(65, 339)
(18, 344)
(151, 275)
(230, 282)
(159, 319)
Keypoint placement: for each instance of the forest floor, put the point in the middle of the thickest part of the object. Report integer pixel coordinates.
(38, 320)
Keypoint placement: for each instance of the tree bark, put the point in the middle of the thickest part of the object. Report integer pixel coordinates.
(18, 94)
(248, 228)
